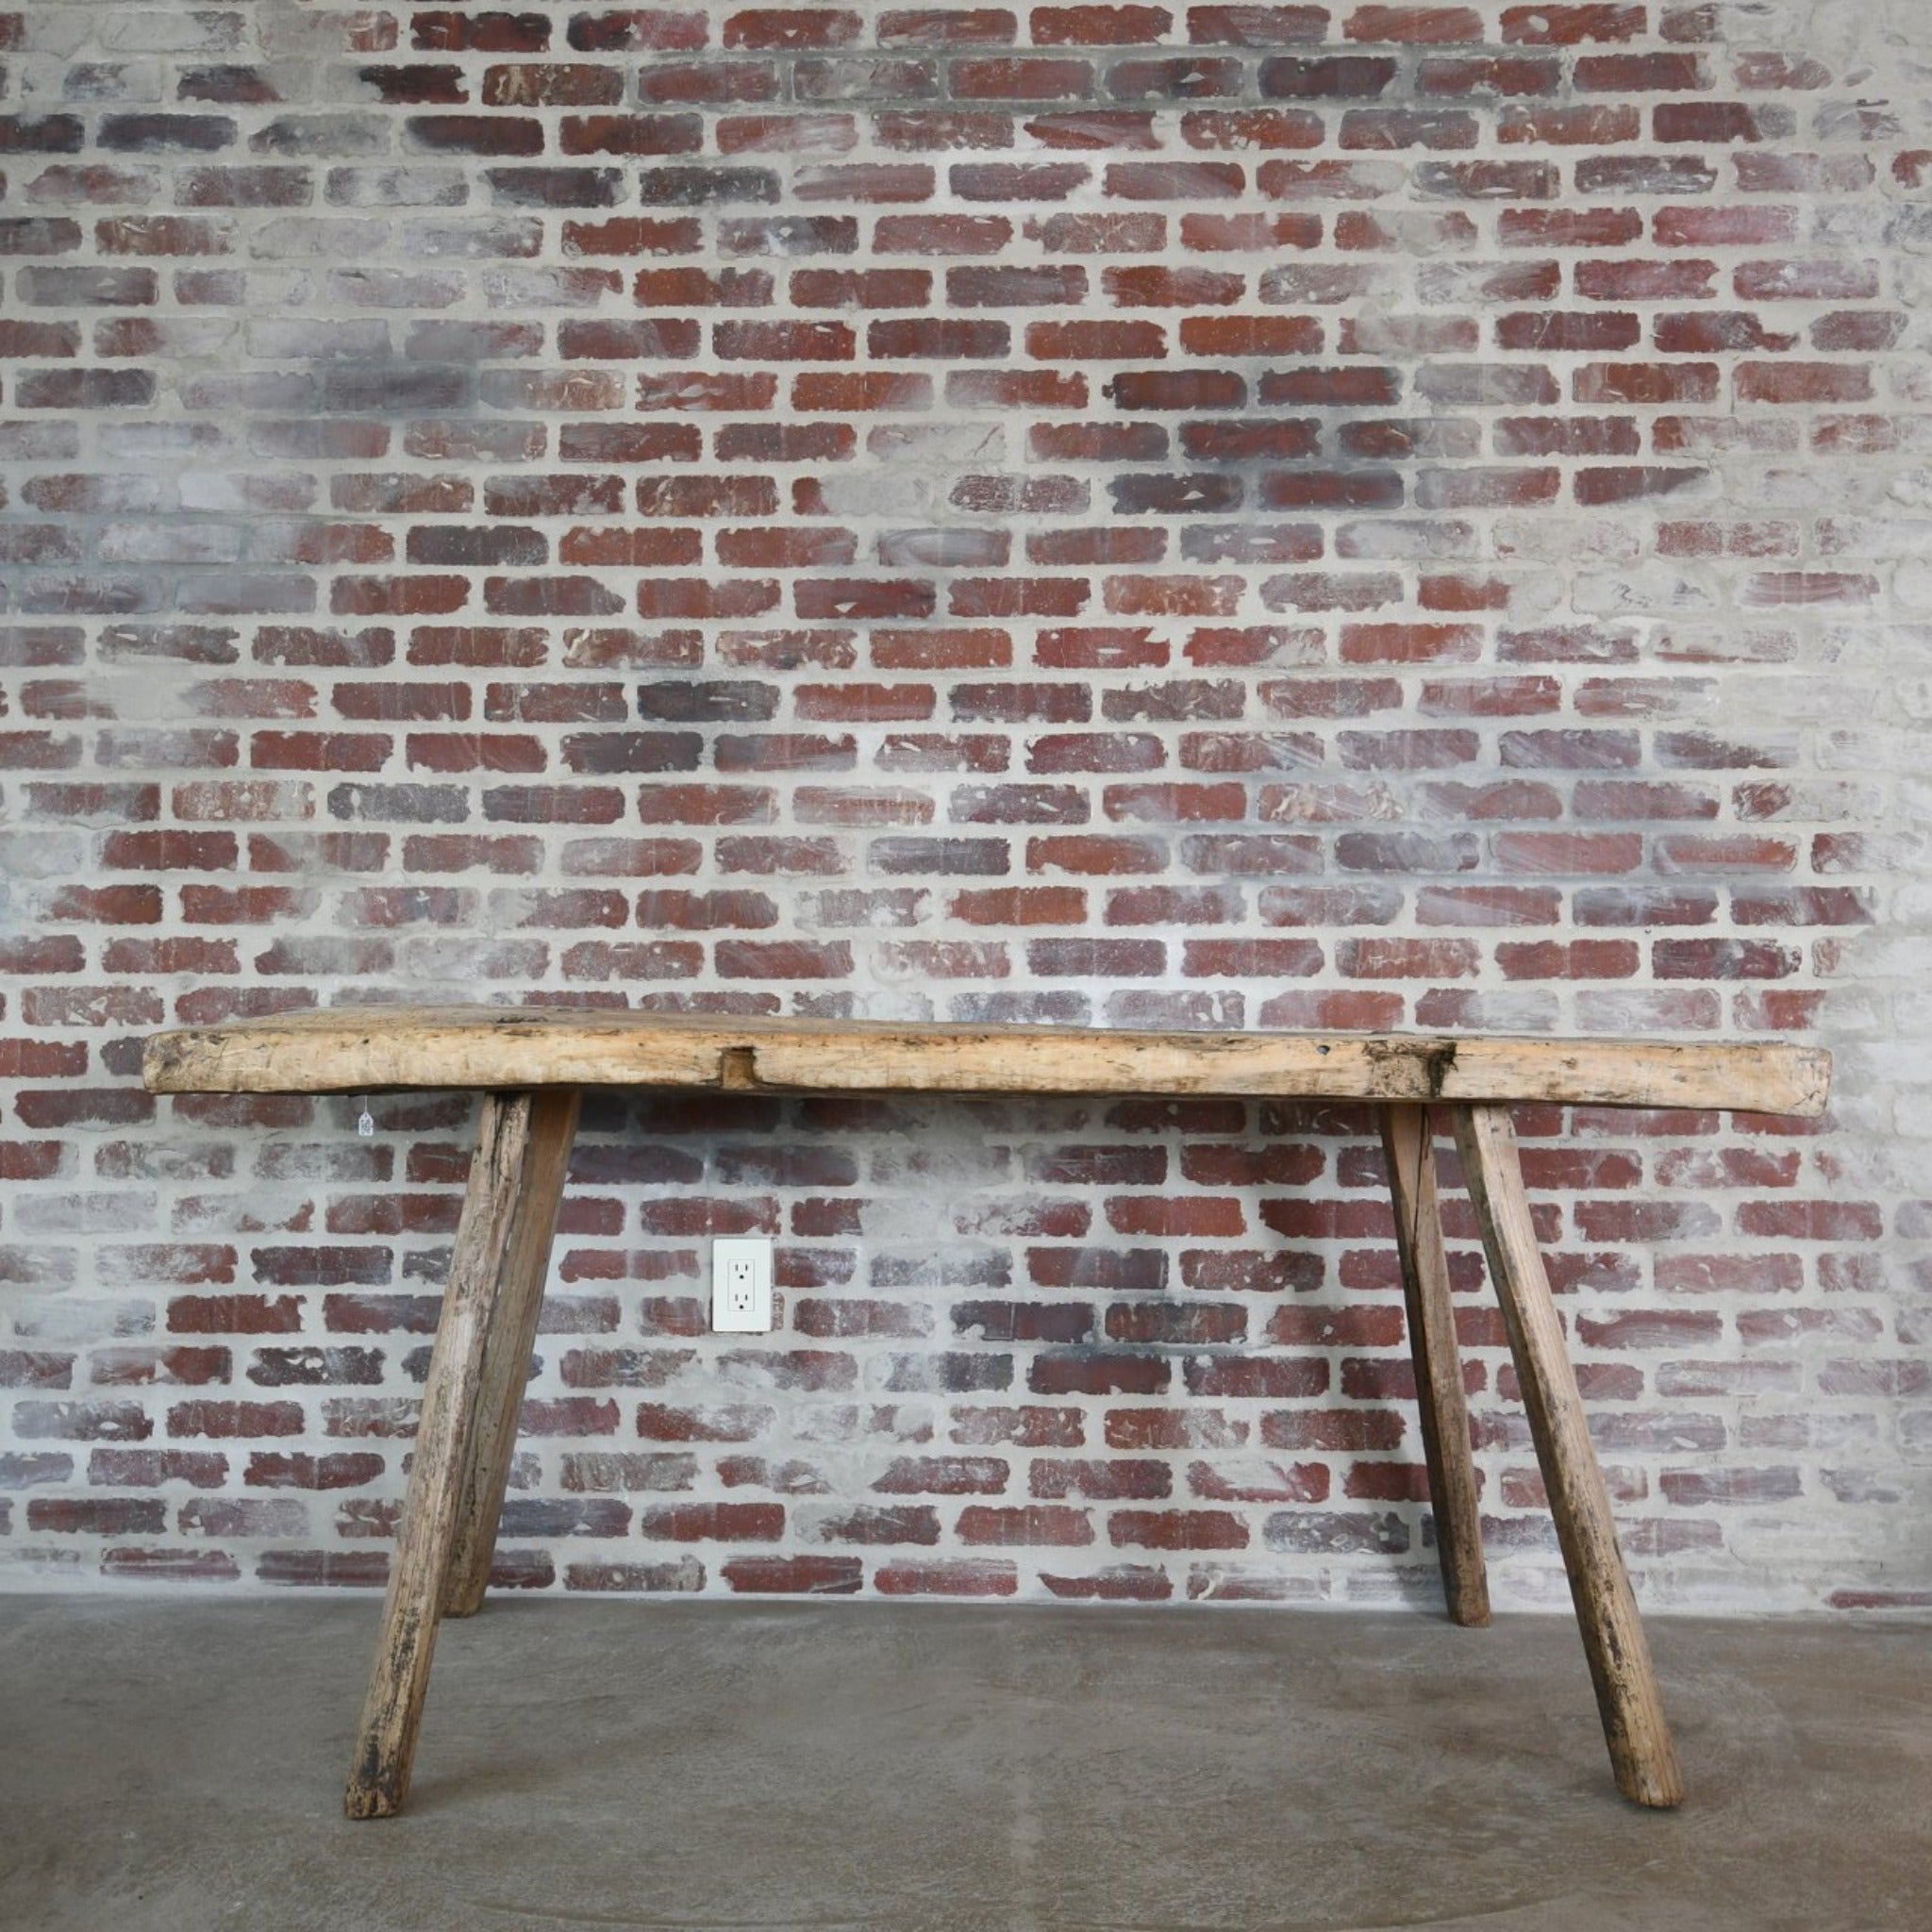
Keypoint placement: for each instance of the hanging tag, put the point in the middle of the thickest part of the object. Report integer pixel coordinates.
(365, 1123)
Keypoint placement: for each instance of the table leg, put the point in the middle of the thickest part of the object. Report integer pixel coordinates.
(392, 1711)
(1641, 1753)
(1406, 1146)
(507, 1351)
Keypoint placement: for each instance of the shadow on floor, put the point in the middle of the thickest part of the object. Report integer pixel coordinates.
(710, 1766)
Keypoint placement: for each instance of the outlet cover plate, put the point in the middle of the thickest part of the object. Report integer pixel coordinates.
(742, 1286)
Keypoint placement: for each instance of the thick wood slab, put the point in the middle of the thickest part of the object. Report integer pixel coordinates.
(367, 1049)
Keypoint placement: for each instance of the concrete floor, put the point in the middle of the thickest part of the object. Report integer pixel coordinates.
(179, 1765)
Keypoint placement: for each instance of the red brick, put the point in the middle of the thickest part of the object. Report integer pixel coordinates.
(1177, 1529)
(1164, 422)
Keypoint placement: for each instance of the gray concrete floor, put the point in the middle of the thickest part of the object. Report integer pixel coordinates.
(179, 1765)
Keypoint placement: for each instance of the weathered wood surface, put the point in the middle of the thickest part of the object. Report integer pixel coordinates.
(507, 1348)
(419, 1570)
(1407, 1147)
(1641, 1753)
(352, 1050)
(530, 1064)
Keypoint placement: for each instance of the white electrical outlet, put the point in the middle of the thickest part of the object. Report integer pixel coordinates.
(742, 1286)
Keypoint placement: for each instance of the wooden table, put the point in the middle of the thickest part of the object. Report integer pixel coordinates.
(530, 1067)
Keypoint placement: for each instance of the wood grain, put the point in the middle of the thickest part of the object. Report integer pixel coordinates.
(1407, 1147)
(531, 1062)
(368, 1049)
(392, 1711)
(1641, 1753)
(506, 1350)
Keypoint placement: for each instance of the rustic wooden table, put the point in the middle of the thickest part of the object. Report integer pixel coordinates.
(530, 1067)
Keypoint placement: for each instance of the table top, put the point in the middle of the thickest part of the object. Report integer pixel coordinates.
(377, 1048)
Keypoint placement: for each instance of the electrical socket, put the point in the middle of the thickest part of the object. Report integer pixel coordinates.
(742, 1287)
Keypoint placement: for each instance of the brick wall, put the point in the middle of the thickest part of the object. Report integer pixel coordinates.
(1181, 516)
